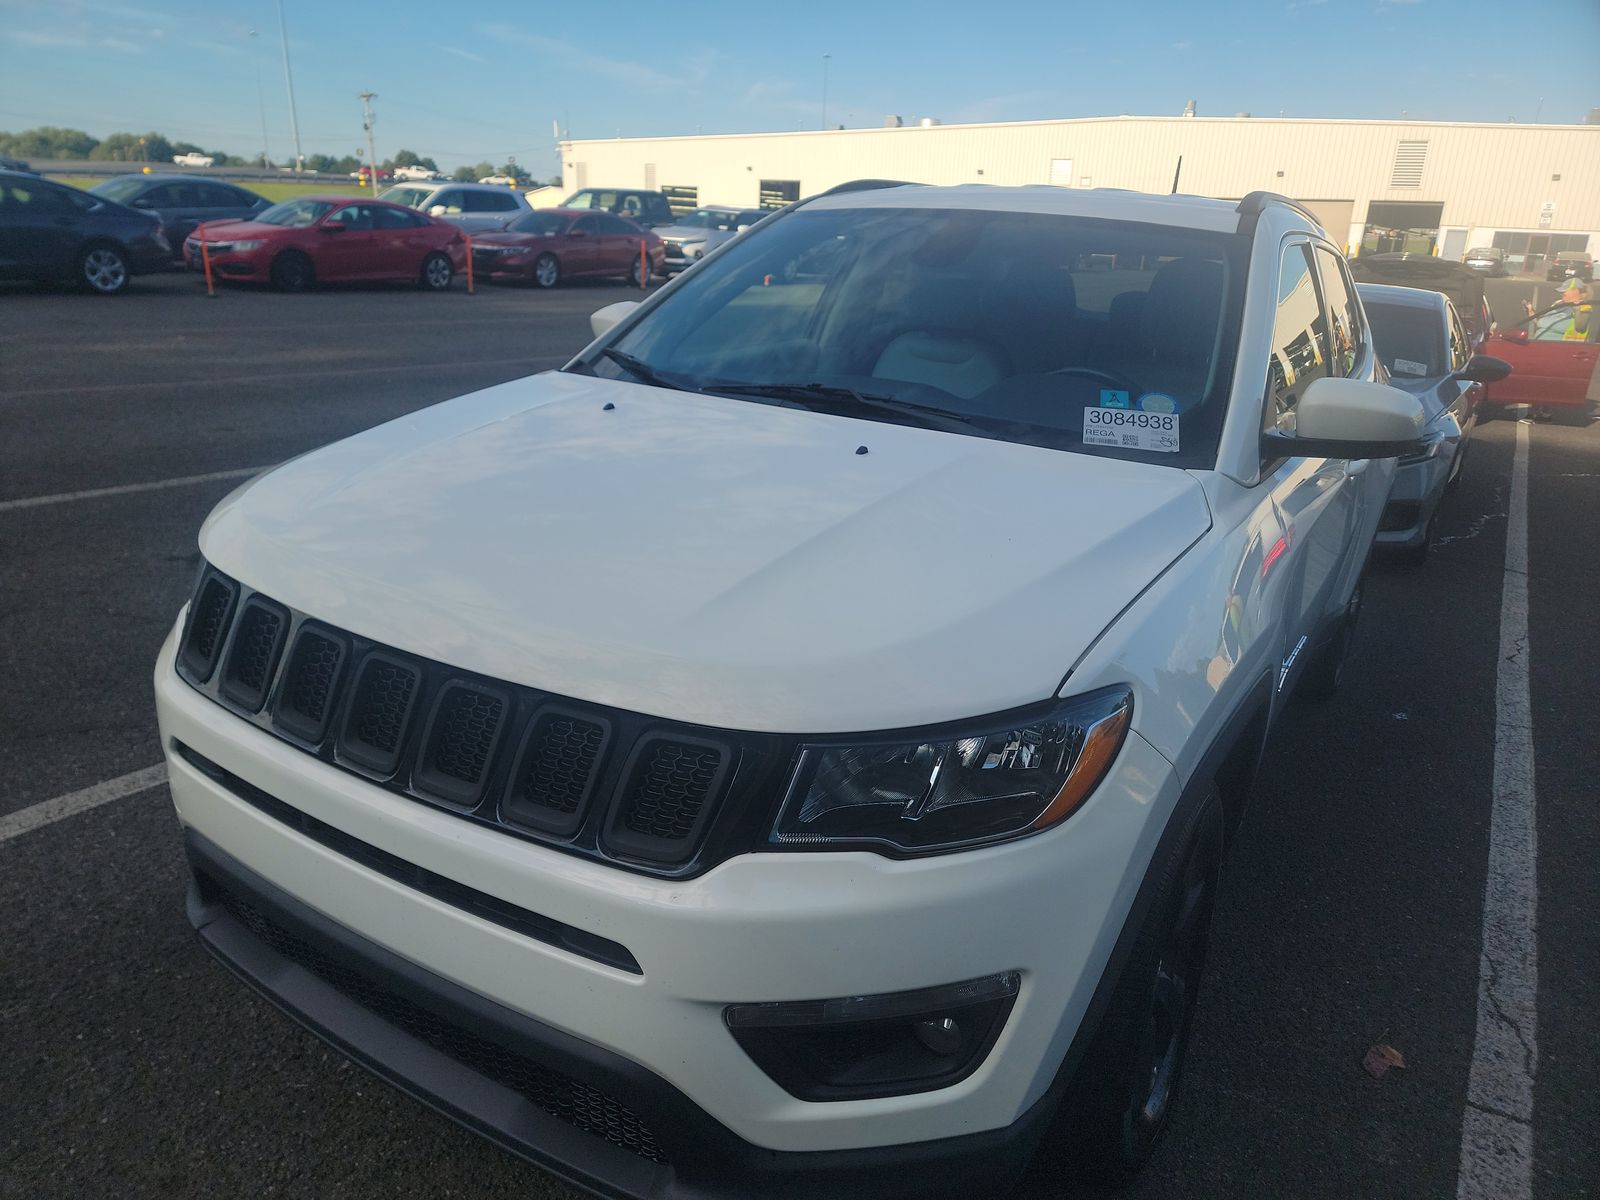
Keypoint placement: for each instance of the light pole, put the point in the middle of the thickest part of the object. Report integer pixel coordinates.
(825, 59)
(288, 78)
(261, 101)
(367, 120)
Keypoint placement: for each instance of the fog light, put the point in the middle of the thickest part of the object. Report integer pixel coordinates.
(887, 1044)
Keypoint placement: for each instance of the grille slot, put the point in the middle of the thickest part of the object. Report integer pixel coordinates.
(208, 625)
(556, 770)
(567, 1099)
(672, 784)
(381, 702)
(306, 697)
(258, 637)
(463, 730)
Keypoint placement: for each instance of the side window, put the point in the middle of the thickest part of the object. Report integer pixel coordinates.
(588, 226)
(165, 195)
(396, 218)
(632, 206)
(616, 225)
(502, 202)
(1551, 325)
(214, 195)
(1459, 352)
(452, 201)
(580, 200)
(1299, 338)
(353, 217)
(1343, 312)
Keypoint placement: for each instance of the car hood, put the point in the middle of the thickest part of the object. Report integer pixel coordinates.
(228, 231)
(712, 560)
(508, 238)
(1456, 280)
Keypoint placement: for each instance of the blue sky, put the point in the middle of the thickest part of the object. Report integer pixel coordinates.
(484, 81)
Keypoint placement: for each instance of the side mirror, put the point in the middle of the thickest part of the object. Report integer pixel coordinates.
(437, 210)
(1481, 368)
(1351, 418)
(1517, 334)
(577, 233)
(604, 320)
(143, 202)
(741, 229)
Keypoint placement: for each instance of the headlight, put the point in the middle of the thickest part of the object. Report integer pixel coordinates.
(956, 790)
(254, 244)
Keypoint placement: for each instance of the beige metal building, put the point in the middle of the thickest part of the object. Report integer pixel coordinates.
(1532, 189)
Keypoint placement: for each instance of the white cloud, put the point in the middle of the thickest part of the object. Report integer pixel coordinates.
(460, 53)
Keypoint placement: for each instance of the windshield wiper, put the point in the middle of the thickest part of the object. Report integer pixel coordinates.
(836, 398)
(642, 370)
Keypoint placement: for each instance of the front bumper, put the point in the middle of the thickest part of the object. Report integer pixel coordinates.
(759, 927)
(1413, 498)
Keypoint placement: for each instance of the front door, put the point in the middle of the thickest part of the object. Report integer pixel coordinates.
(349, 245)
(39, 226)
(580, 250)
(1551, 360)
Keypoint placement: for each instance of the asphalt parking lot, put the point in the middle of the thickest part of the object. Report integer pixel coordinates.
(1351, 914)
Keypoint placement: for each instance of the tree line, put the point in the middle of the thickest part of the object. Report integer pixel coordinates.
(53, 142)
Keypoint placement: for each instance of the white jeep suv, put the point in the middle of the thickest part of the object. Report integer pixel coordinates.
(789, 751)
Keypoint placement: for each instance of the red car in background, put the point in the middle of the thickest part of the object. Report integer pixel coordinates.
(331, 239)
(1553, 358)
(548, 245)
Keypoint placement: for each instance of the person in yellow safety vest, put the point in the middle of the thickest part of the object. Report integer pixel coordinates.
(1580, 294)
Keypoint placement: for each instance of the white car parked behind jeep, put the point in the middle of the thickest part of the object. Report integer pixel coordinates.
(790, 750)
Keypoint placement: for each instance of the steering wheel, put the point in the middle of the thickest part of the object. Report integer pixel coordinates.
(1121, 383)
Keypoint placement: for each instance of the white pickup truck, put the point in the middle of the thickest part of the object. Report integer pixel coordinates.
(416, 172)
(193, 159)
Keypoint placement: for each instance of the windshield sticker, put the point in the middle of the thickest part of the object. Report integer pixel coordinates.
(1112, 398)
(1125, 429)
(1404, 366)
(1155, 402)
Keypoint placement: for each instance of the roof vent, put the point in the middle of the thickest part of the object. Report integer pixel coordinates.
(1188, 109)
(1409, 159)
(892, 122)
(928, 122)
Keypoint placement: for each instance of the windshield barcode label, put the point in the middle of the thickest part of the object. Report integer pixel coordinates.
(1125, 429)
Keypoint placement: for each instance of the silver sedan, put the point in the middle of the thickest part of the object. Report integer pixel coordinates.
(1426, 350)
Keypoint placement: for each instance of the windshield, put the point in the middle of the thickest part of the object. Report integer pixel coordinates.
(1483, 253)
(119, 190)
(1022, 326)
(1410, 340)
(295, 214)
(547, 224)
(411, 197)
(709, 218)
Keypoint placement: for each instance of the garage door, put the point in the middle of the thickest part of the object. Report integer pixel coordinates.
(1334, 216)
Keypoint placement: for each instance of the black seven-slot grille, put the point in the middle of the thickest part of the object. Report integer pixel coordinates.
(591, 780)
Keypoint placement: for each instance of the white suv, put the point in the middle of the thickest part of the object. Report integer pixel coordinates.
(790, 750)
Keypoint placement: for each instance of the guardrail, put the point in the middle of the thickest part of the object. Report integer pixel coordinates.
(80, 166)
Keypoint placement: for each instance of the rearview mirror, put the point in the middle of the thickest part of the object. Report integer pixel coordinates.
(604, 320)
(1481, 368)
(1351, 418)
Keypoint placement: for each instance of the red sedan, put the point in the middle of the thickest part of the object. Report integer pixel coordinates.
(552, 244)
(1553, 356)
(332, 239)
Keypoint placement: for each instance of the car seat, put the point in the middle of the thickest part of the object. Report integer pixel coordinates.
(940, 349)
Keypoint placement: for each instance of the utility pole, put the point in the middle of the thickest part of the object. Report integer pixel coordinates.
(288, 78)
(367, 119)
(825, 59)
(261, 100)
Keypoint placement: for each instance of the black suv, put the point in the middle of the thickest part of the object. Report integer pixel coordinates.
(636, 204)
(1569, 264)
(50, 231)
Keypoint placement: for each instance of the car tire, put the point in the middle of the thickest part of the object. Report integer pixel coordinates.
(1122, 1094)
(437, 272)
(1417, 556)
(547, 271)
(293, 272)
(103, 270)
(1325, 672)
(634, 275)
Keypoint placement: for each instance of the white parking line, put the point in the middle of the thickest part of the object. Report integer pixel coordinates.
(1497, 1126)
(396, 369)
(47, 812)
(124, 489)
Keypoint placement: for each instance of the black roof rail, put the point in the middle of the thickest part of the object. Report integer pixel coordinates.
(867, 185)
(1253, 205)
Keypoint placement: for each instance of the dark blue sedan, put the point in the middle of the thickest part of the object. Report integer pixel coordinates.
(52, 232)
